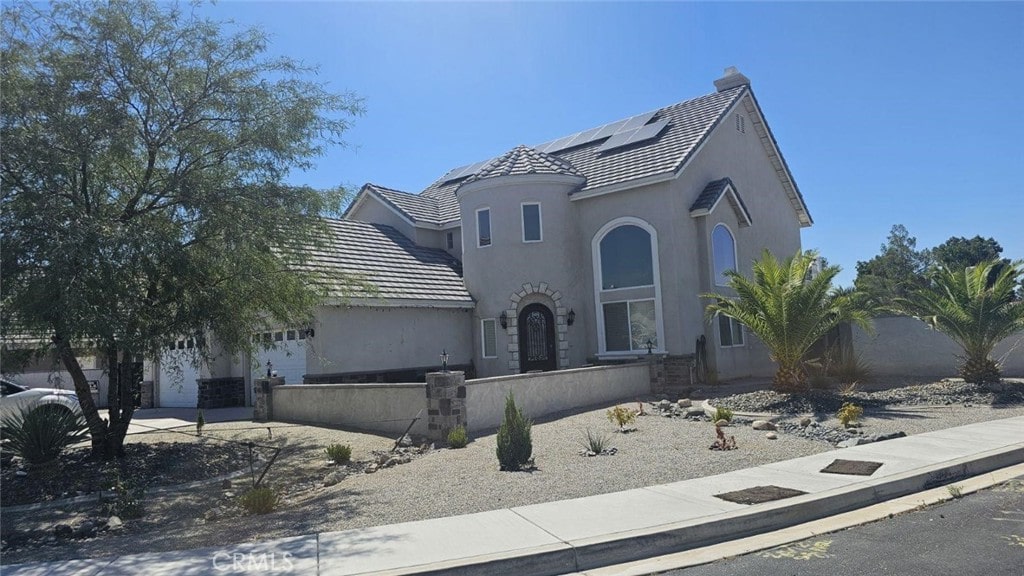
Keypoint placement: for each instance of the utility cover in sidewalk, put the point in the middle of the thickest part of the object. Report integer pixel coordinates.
(759, 494)
(853, 467)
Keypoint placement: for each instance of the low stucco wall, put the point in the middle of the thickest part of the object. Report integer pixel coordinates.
(549, 392)
(386, 408)
(903, 346)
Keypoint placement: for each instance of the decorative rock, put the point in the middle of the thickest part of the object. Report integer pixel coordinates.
(21, 473)
(684, 403)
(211, 515)
(392, 461)
(335, 477)
(114, 523)
(805, 422)
(664, 405)
(405, 441)
(850, 443)
(763, 425)
(86, 529)
(722, 422)
(225, 484)
(693, 411)
(371, 469)
(771, 436)
(63, 531)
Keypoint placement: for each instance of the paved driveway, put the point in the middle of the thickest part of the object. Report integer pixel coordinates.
(151, 419)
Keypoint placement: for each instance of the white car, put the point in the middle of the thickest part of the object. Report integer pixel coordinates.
(16, 399)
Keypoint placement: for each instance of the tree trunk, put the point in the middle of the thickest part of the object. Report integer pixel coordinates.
(120, 404)
(97, 426)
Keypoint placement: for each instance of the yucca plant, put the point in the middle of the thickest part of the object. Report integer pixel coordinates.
(40, 435)
(789, 309)
(976, 307)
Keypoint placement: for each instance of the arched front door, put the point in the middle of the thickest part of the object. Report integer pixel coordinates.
(536, 338)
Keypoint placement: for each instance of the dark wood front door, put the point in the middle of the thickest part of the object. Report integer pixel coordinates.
(536, 339)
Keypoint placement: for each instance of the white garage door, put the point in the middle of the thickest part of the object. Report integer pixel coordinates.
(179, 379)
(288, 358)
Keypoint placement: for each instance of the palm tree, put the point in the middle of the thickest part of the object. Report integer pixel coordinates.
(789, 309)
(976, 307)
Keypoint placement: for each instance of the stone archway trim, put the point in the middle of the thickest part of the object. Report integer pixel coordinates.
(561, 328)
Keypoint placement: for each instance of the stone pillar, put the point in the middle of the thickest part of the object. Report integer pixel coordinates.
(656, 364)
(147, 394)
(263, 398)
(446, 403)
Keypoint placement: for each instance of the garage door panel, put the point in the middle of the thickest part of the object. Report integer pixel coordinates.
(179, 381)
(288, 360)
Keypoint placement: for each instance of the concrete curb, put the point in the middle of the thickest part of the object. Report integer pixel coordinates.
(631, 546)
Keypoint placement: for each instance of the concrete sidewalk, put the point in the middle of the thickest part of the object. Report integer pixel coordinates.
(586, 533)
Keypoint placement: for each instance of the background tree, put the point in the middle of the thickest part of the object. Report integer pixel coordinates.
(976, 307)
(897, 271)
(958, 252)
(789, 309)
(144, 196)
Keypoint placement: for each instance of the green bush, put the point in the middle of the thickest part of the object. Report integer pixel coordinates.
(262, 500)
(595, 443)
(515, 446)
(457, 437)
(621, 415)
(39, 436)
(339, 453)
(722, 414)
(850, 412)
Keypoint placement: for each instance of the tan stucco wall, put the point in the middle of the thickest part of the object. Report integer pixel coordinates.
(388, 408)
(551, 392)
(370, 339)
(903, 346)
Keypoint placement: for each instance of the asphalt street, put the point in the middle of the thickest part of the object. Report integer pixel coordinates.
(978, 534)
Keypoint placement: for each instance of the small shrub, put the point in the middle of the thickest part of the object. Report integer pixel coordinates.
(955, 491)
(200, 422)
(339, 453)
(515, 446)
(621, 415)
(262, 500)
(128, 499)
(851, 369)
(722, 413)
(595, 443)
(457, 437)
(39, 436)
(849, 413)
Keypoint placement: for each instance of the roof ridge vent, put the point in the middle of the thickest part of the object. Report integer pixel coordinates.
(731, 79)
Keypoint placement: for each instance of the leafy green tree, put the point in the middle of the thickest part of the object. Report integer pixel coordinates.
(976, 307)
(898, 270)
(144, 197)
(958, 252)
(789, 309)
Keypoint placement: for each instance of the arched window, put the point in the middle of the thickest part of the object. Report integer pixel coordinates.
(626, 285)
(723, 248)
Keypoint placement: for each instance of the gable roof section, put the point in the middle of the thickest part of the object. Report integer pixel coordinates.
(713, 194)
(401, 271)
(524, 160)
(662, 157)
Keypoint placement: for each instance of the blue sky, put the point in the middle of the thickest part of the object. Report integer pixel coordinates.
(886, 113)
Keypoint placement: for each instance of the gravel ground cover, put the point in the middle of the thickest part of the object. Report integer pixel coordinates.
(446, 482)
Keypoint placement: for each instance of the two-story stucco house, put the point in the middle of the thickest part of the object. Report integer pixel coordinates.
(592, 247)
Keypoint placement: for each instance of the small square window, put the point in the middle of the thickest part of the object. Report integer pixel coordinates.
(489, 335)
(290, 335)
(278, 336)
(302, 333)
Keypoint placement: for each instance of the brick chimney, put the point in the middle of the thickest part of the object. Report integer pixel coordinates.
(731, 79)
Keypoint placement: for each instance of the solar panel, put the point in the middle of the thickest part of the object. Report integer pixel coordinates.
(633, 136)
(594, 134)
(637, 121)
(464, 171)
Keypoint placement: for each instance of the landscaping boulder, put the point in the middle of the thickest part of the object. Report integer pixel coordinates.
(114, 523)
(805, 422)
(722, 422)
(63, 531)
(763, 425)
(335, 476)
(771, 436)
(851, 442)
(664, 405)
(684, 403)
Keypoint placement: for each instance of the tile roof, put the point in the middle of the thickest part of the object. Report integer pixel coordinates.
(525, 160)
(416, 207)
(384, 257)
(689, 123)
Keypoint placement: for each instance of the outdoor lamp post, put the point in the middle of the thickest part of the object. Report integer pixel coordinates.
(270, 368)
(444, 360)
(650, 347)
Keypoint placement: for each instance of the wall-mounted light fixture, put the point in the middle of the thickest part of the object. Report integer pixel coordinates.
(310, 333)
(503, 319)
(570, 318)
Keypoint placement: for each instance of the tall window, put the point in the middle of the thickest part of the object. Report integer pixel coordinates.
(625, 262)
(531, 223)
(489, 338)
(449, 240)
(723, 249)
(483, 227)
(730, 332)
